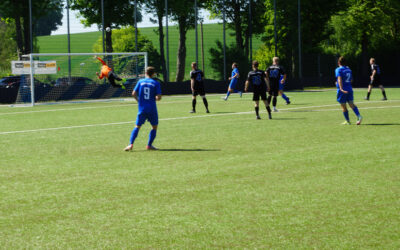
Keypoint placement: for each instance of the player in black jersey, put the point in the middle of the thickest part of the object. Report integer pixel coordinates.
(197, 86)
(274, 73)
(260, 87)
(375, 79)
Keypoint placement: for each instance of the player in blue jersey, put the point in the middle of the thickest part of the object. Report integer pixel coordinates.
(282, 83)
(147, 91)
(234, 81)
(344, 78)
(375, 79)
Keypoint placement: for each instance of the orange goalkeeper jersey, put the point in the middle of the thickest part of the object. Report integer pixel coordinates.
(104, 69)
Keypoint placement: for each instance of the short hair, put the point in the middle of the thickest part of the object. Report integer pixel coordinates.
(372, 59)
(150, 71)
(275, 59)
(194, 64)
(342, 61)
(255, 63)
(235, 64)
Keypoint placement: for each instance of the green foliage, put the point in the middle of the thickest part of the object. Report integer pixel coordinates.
(264, 56)
(117, 13)
(233, 54)
(45, 25)
(19, 12)
(124, 41)
(8, 47)
(373, 22)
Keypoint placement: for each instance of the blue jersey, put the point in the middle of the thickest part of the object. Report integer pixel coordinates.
(147, 89)
(347, 77)
(234, 72)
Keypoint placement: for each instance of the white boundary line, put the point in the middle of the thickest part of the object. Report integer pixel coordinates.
(162, 103)
(175, 118)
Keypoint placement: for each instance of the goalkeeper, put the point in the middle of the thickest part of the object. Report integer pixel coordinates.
(108, 73)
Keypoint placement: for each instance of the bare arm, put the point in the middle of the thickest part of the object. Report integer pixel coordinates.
(134, 94)
(246, 86)
(101, 60)
(192, 84)
(235, 76)
(284, 79)
(267, 82)
(373, 74)
(340, 82)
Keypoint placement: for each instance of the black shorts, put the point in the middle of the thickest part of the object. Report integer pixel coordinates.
(199, 90)
(274, 89)
(257, 93)
(376, 81)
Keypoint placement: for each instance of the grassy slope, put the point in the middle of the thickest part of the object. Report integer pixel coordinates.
(83, 42)
(300, 180)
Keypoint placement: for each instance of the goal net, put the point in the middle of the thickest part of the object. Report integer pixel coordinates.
(72, 76)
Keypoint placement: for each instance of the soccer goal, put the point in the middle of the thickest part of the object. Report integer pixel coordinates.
(60, 77)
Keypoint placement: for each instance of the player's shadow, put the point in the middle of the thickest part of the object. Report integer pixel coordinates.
(289, 118)
(187, 149)
(382, 124)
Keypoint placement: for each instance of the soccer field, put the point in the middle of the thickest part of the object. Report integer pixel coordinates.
(219, 180)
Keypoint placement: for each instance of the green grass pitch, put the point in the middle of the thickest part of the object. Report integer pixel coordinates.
(220, 180)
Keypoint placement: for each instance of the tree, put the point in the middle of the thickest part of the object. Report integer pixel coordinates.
(237, 16)
(365, 25)
(18, 10)
(50, 22)
(314, 16)
(117, 13)
(124, 41)
(182, 11)
(8, 47)
(157, 7)
(233, 54)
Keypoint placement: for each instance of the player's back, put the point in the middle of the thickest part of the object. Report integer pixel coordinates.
(256, 78)
(377, 68)
(347, 77)
(197, 75)
(274, 72)
(147, 89)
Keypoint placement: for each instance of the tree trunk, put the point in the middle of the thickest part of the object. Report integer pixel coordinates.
(161, 40)
(181, 57)
(238, 28)
(27, 36)
(109, 48)
(18, 32)
(364, 54)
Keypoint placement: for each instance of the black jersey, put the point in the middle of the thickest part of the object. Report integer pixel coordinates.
(197, 75)
(257, 78)
(377, 68)
(274, 72)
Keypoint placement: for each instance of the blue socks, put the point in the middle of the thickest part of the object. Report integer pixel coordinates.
(285, 97)
(152, 136)
(134, 134)
(227, 94)
(355, 109)
(346, 115)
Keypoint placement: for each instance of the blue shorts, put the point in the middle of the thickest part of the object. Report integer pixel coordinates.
(233, 84)
(281, 86)
(343, 98)
(151, 117)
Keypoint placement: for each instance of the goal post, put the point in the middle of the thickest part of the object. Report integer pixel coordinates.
(56, 77)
